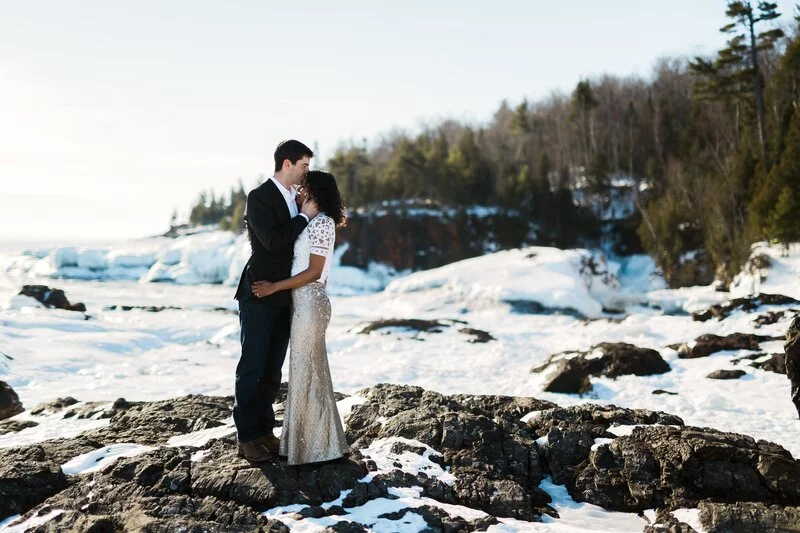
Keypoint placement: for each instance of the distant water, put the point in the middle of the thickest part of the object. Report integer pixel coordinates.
(10, 246)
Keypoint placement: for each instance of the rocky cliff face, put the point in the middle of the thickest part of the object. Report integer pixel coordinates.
(424, 236)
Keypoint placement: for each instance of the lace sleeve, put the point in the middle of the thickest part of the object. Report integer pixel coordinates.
(321, 235)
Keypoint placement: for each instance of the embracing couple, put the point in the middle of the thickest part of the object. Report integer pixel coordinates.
(291, 222)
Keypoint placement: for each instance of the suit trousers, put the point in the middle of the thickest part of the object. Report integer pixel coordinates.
(265, 338)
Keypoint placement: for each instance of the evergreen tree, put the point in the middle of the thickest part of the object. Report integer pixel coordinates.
(583, 104)
(736, 70)
(783, 224)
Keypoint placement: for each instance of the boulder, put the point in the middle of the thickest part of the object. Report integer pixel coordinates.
(677, 467)
(747, 304)
(726, 374)
(27, 478)
(9, 401)
(51, 297)
(705, 345)
(609, 359)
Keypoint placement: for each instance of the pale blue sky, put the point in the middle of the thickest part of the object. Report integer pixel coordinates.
(114, 113)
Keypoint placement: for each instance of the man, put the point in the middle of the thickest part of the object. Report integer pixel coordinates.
(273, 223)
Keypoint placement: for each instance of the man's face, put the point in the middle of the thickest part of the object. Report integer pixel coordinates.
(298, 171)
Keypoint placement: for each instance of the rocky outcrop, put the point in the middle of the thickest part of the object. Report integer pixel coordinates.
(792, 360)
(749, 516)
(570, 433)
(27, 477)
(473, 451)
(51, 297)
(153, 423)
(705, 345)
(609, 359)
(746, 304)
(9, 401)
(677, 467)
(492, 454)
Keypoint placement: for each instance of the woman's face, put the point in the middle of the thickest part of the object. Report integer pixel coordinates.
(302, 193)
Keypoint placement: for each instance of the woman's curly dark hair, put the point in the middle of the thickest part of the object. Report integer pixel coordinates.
(321, 187)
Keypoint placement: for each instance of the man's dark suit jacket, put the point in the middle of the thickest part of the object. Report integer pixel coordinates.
(272, 232)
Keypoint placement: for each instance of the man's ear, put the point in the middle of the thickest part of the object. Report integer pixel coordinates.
(286, 164)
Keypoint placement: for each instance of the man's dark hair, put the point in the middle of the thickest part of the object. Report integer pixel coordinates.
(292, 150)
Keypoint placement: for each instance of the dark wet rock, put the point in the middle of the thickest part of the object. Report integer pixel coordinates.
(345, 526)
(312, 511)
(746, 517)
(148, 308)
(569, 377)
(53, 407)
(179, 514)
(747, 304)
(335, 510)
(677, 467)
(570, 433)
(53, 298)
(773, 317)
(69, 407)
(609, 359)
(775, 362)
(426, 326)
(708, 344)
(96, 410)
(439, 520)
(726, 374)
(159, 308)
(27, 478)
(662, 391)
(15, 426)
(667, 523)
(489, 450)
(792, 350)
(364, 492)
(9, 402)
(155, 422)
(529, 307)
(478, 335)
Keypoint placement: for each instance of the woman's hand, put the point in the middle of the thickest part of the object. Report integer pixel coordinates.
(262, 289)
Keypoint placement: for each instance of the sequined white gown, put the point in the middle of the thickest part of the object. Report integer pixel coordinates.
(312, 429)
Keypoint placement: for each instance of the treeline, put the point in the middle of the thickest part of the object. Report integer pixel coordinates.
(712, 143)
(227, 210)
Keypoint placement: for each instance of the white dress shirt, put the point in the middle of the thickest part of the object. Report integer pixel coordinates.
(289, 195)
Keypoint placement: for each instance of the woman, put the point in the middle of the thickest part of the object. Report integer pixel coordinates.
(312, 430)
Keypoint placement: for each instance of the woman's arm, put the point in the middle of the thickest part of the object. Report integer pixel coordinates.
(315, 265)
